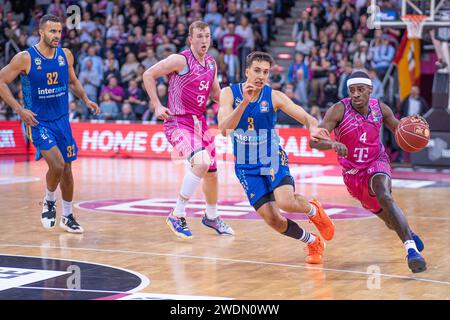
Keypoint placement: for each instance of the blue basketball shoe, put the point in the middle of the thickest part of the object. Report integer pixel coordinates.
(179, 227)
(419, 243)
(219, 225)
(415, 261)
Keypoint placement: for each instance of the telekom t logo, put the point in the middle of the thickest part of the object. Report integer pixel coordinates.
(361, 154)
(200, 100)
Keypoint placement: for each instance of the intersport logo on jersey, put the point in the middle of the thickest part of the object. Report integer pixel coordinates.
(149, 141)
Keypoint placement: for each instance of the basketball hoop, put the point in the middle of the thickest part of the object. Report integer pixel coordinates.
(414, 24)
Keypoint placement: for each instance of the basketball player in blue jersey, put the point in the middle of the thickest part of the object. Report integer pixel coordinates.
(46, 72)
(248, 112)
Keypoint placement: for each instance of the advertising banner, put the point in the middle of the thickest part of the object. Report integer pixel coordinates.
(129, 140)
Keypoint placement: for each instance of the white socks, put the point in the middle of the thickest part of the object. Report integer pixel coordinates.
(66, 208)
(312, 212)
(190, 184)
(49, 195)
(188, 188)
(66, 205)
(179, 208)
(410, 244)
(307, 237)
(211, 211)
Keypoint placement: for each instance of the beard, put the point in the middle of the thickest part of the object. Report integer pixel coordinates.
(49, 42)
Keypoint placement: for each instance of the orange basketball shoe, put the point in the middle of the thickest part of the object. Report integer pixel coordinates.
(322, 222)
(315, 251)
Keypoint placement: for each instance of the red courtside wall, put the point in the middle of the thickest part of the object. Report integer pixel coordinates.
(12, 139)
(149, 141)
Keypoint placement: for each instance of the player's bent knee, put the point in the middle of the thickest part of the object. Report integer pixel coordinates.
(275, 222)
(201, 161)
(200, 168)
(57, 168)
(286, 204)
(211, 175)
(385, 199)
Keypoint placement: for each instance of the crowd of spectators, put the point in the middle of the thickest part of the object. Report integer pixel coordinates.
(116, 41)
(333, 39)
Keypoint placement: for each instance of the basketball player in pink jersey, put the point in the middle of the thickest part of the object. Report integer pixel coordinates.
(192, 79)
(366, 170)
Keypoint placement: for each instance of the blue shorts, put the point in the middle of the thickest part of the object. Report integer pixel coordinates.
(48, 134)
(259, 186)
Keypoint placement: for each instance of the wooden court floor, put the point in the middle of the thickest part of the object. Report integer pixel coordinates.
(122, 204)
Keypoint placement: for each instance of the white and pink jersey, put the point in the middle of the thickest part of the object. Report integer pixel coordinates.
(361, 135)
(189, 90)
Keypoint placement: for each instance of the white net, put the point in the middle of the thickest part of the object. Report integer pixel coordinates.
(414, 25)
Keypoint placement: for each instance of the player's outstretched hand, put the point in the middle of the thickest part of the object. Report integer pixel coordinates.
(28, 117)
(162, 113)
(317, 134)
(341, 149)
(93, 106)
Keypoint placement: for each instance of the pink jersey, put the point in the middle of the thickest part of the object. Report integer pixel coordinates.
(361, 135)
(189, 92)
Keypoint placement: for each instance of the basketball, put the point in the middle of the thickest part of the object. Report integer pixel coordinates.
(412, 134)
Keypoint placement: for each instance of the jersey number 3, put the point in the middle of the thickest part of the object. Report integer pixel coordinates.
(52, 78)
(251, 123)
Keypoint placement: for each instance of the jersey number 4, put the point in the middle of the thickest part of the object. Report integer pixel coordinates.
(52, 78)
(363, 137)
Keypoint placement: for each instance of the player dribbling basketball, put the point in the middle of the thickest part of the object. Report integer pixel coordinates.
(412, 134)
(366, 169)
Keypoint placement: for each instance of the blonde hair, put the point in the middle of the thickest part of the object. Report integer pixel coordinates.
(197, 25)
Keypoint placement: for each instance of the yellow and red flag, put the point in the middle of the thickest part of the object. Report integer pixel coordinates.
(407, 60)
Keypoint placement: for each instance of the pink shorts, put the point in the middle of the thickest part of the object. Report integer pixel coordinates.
(188, 135)
(358, 183)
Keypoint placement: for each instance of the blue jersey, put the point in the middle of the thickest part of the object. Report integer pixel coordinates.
(255, 141)
(261, 164)
(45, 87)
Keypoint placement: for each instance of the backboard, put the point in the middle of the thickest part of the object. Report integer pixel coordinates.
(391, 13)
